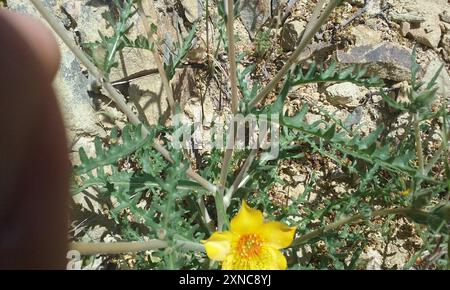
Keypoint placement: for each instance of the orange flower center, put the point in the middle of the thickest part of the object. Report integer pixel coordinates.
(249, 245)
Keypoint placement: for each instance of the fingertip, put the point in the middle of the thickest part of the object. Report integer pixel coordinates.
(39, 38)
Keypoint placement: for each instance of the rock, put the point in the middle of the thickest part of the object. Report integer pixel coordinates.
(254, 14)
(278, 4)
(429, 32)
(291, 34)
(299, 178)
(405, 27)
(365, 36)
(396, 256)
(358, 3)
(345, 94)
(377, 98)
(442, 81)
(89, 21)
(387, 60)
(354, 118)
(312, 118)
(370, 260)
(70, 84)
(445, 27)
(193, 9)
(445, 16)
(146, 93)
(373, 7)
(297, 191)
(407, 17)
(445, 43)
(428, 37)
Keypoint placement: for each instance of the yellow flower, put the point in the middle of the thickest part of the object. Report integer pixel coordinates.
(251, 243)
(406, 192)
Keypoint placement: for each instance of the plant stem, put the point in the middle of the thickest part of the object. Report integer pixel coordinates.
(208, 60)
(237, 182)
(156, 57)
(418, 141)
(234, 107)
(348, 220)
(232, 56)
(314, 17)
(308, 35)
(125, 247)
(222, 218)
(204, 211)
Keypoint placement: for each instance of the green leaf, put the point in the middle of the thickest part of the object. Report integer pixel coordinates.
(131, 142)
(371, 138)
(297, 120)
(352, 74)
(330, 132)
(394, 104)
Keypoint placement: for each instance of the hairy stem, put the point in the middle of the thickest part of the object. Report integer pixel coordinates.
(240, 177)
(232, 57)
(348, 220)
(307, 36)
(418, 141)
(128, 247)
(314, 17)
(419, 150)
(234, 107)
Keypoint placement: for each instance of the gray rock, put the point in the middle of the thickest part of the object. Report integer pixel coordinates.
(387, 60)
(345, 94)
(445, 43)
(193, 9)
(291, 34)
(70, 84)
(278, 4)
(89, 21)
(254, 14)
(445, 16)
(354, 118)
(429, 32)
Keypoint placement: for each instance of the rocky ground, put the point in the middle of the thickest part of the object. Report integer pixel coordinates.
(380, 33)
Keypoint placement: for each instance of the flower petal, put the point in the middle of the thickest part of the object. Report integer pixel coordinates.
(277, 235)
(278, 260)
(269, 259)
(218, 245)
(228, 263)
(247, 220)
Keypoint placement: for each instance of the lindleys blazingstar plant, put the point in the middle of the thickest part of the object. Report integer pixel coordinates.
(149, 197)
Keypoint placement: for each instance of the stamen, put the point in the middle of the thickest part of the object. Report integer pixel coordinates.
(249, 246)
